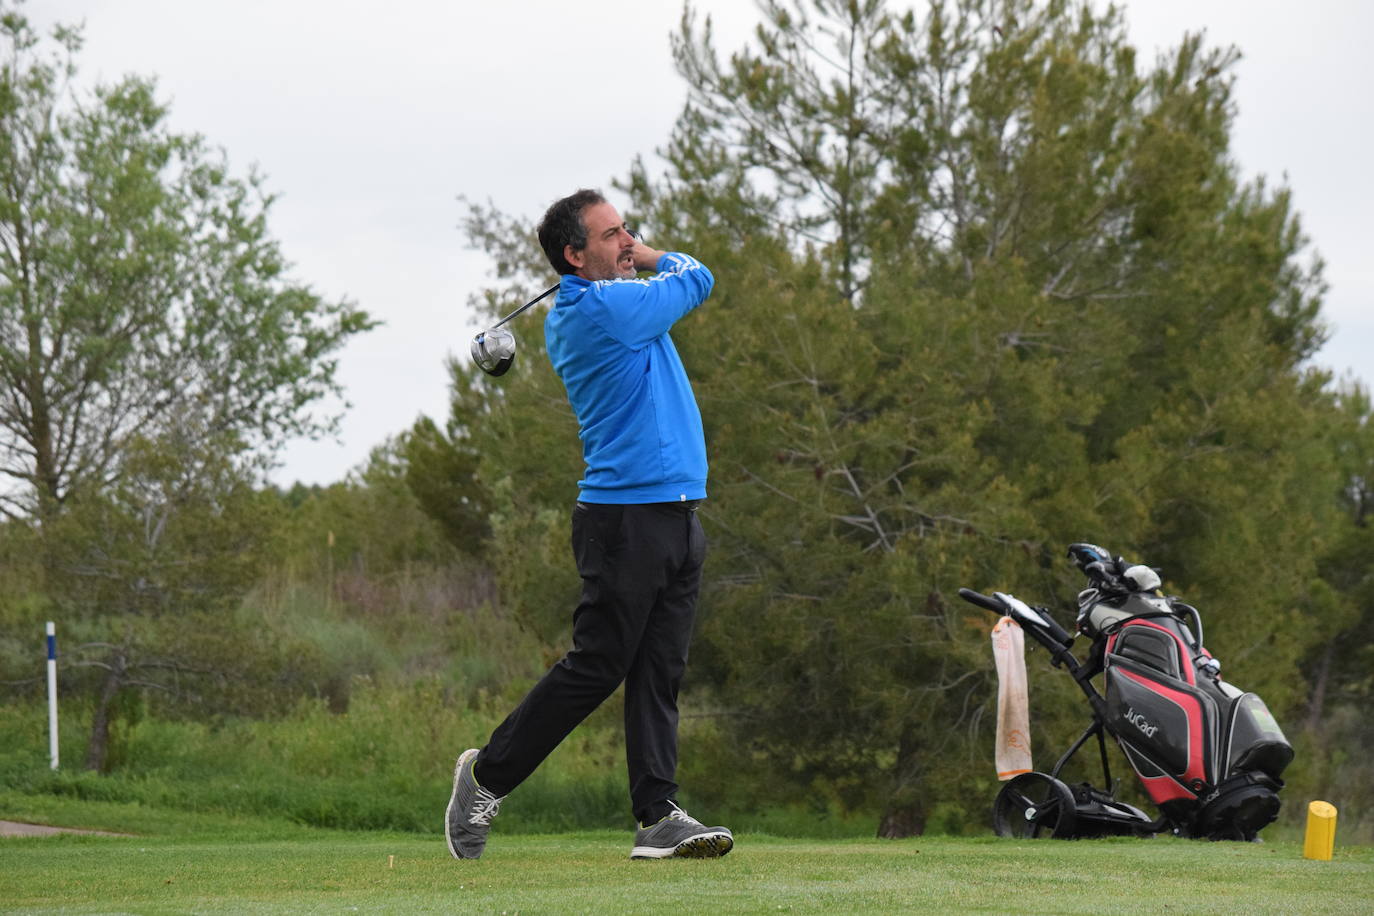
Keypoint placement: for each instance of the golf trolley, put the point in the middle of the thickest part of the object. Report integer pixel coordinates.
(1208, 755)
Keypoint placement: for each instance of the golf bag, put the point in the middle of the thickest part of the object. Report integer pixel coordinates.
(1208, 755)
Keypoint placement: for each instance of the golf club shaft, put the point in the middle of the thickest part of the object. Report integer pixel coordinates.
(544, 294)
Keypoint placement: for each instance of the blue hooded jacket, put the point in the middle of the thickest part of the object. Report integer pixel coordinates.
(637, 417)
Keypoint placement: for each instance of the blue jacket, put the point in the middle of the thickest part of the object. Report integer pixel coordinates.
(637, 417)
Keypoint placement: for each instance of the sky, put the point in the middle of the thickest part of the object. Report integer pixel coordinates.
(369, 125)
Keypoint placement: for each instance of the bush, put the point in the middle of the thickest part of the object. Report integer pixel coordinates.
(386, 764)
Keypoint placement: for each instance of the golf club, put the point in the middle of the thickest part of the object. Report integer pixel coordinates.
(493, 350)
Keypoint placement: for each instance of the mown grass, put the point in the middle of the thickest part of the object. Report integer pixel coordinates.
(182, 863)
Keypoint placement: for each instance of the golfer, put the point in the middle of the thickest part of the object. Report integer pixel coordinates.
(636, 538)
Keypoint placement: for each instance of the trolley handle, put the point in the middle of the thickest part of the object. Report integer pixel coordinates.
(1037, 620)
(983, 601)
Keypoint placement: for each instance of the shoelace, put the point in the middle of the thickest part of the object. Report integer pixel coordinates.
(678, 814)
(486, 807)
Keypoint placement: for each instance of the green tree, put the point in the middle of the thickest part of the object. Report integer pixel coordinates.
(140, 290)
(149, 572)
(154, 353)
(985, 286)
(500, 477)
(1073, 322)
(1336, 730)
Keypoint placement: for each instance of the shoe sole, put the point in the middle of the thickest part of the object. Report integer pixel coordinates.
(453, 800)
(705, 846)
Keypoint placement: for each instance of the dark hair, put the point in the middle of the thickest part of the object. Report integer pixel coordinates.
(562, 226)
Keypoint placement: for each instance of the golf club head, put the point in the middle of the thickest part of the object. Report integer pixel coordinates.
(493, 351)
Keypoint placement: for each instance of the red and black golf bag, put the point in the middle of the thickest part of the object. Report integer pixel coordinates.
(1210, 756)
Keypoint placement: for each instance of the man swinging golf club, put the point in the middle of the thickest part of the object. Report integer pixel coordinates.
(638, 544)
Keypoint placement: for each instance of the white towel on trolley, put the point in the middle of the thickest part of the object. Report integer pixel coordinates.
(1013, 751)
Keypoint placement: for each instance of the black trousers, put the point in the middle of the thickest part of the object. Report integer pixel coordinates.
(641, 574)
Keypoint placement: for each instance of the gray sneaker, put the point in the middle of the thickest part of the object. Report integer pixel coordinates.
(470, 810)
(681, 835)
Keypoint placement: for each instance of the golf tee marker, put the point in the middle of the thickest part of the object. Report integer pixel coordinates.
(1321, 831)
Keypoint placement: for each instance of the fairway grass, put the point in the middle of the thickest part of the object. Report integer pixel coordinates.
(260, 867)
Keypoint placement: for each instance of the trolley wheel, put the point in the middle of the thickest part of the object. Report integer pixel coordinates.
(1033, 806)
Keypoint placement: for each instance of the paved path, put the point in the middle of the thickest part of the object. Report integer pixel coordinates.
(14, 828)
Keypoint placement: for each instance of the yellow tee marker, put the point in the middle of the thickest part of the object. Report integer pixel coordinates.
(1321, 831)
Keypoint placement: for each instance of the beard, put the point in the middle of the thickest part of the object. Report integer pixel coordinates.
(622, 267)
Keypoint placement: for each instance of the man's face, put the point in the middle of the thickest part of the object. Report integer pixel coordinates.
(609, 254)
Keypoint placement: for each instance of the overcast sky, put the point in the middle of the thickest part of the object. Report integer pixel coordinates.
(370, 119)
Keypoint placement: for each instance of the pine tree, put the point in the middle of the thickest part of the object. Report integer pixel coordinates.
(986, 286)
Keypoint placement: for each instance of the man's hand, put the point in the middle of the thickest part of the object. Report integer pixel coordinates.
(646, 258)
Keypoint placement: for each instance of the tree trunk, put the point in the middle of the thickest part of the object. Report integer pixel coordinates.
(904, 815)
(901, 821)
(47, 481)
(1316, 704)
(97, 751)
